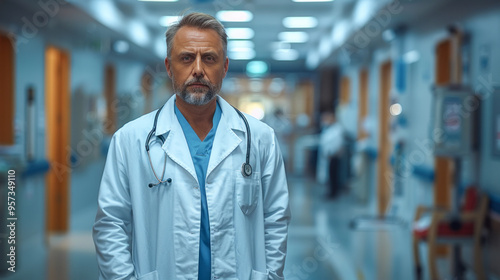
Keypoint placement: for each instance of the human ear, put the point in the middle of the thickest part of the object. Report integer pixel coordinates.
(167, 66)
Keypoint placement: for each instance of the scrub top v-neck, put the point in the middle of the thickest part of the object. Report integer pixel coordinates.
(200, 154)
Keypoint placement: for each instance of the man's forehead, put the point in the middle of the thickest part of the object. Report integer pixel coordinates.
(188, 37)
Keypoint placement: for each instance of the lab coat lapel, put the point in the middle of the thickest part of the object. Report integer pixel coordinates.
(175, 145)
(226, 140)
(177, 149)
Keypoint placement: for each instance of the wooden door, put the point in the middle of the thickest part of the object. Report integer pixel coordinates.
(363, 103)
(345, 90)
(385, 170)
(7, 90)
(110, 96)
(443, 167)
(58, 116)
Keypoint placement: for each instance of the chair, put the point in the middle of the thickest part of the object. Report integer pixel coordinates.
(441, 226)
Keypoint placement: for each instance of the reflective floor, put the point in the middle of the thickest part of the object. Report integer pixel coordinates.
(324, 243)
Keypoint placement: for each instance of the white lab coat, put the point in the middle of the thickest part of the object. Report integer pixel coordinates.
(153, 233)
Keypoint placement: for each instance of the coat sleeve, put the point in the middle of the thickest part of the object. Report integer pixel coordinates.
(112, 229)
(276, 209)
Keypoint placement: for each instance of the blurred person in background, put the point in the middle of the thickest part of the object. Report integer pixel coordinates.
(282, 128)
(206, 216)
(331, 141)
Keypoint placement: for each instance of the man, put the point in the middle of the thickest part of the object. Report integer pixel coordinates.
(200, 217)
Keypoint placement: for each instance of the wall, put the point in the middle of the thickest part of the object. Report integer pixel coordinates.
(86, 81)
(484, 45)
(30, 193)
(417, 103)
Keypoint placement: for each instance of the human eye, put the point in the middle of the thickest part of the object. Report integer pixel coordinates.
(209, 58)
(186, 58)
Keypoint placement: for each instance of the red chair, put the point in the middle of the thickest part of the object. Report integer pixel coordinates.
(441, 226)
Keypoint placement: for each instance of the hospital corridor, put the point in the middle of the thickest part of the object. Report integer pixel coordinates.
(382, 117)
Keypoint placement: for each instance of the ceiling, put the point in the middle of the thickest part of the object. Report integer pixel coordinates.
(99, 24)
(117, 20)
(266, 23)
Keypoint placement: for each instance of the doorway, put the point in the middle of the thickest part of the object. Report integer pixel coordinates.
(57, 104)
(384, 169)
(7, 90)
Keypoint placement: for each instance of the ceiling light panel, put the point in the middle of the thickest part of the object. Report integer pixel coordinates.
(240, 33)
(311, 1)
(233, 44)
(234, 16)
(286, 54)
(242, 54)
(168, 20)
(158, 0)
(293, 37)
(257, 68)
(300, 22)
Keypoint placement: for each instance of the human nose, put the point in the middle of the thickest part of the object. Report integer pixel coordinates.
(198, 71)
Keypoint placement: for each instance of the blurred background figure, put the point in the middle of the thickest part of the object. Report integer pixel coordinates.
(331, 142)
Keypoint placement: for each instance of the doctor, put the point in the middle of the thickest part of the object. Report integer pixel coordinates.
(184, 207)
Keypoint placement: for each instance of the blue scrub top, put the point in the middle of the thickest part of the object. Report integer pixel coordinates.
(200, 153)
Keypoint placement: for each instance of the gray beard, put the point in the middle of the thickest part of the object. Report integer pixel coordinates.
(196, 97)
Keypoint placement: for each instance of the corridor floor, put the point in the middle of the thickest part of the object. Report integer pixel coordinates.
(321, 244)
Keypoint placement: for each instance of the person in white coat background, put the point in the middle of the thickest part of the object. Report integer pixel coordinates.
(174, 200)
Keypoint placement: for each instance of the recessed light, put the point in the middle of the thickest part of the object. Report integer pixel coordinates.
(241, 54)
(293, 37)
(311, 1)
(300, 22)
(240, 33)
(168, 20)
(312, 59)
(396, 109)
(158, 0)
(286, 54)
(234, 16)
(121, 46)
(138, 32)
(411, 57)
(257, 68)
(232, 44)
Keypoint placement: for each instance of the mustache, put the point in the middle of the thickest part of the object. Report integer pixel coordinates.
(198, 81)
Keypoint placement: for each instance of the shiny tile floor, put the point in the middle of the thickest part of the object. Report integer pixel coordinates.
(321, 243)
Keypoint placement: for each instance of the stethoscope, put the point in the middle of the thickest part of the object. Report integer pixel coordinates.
(246, 168)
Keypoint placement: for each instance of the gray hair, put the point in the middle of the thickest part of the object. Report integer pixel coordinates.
(200, 20)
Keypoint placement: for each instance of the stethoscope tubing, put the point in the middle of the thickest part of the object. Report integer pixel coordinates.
(246, 168)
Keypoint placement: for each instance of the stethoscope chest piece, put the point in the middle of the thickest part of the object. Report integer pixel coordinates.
(246, 169)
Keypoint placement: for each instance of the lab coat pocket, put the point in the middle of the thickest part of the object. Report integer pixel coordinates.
(257, 275)
(153, 275)
(247, 191)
